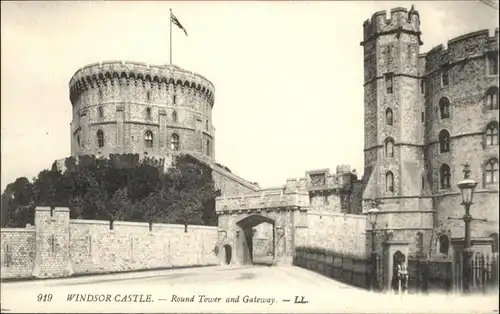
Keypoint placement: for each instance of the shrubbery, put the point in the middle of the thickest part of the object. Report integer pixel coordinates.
(122, 187)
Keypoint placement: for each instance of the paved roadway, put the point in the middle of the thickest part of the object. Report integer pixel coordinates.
(269, 288)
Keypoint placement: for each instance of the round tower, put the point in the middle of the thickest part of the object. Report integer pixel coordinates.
(131, 107)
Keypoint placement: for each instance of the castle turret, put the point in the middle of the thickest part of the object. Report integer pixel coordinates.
(394, 122)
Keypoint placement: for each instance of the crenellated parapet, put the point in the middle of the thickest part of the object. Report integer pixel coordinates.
(154, 77)
(400, 20)
(461, 49)
(264, 199)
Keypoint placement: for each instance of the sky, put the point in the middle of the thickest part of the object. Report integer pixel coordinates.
(288, 75)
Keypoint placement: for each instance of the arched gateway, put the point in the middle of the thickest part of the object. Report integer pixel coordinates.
(239, 216)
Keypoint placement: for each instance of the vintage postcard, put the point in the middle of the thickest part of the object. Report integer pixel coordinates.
(249, 157)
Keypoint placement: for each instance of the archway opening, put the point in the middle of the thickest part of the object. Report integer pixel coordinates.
(228, 254)
(256, 240)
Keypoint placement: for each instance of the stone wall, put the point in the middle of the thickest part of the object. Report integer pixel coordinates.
(342, 234)
(17, 252)
(65, 247)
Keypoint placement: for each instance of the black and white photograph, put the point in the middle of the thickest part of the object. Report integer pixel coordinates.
(249, 157)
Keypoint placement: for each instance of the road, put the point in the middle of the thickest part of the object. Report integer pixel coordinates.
(220, 289)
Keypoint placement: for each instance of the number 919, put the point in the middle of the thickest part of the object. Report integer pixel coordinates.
(44, 297)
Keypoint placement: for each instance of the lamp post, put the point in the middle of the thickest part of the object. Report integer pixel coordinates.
(372, 218)
(467, 186)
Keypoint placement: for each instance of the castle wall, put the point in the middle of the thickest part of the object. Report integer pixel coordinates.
(60, 247)
(17, 252)
(340, 233)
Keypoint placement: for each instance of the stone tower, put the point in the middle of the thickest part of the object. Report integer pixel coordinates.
(394, 126)
(132, 107)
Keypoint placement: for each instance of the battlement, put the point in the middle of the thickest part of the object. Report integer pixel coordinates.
(398, 20)
(462, 48)
(262, 200)
(103, 73)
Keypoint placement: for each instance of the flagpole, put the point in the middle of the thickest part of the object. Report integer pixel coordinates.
(170, 36)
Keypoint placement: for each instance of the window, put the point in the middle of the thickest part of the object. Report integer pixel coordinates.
(409, 53)
(174, 116)
(78, 140)
(148, 113)
(445, 80)
(174, 99)
(100, 138)
(100, 112)
(389, 182)
(148, 95)
(444, 172)
(389, 147)
(444, 107)
(492, 98)
(491, 171)
(422, 116)
(174, 142)
(100, 94)
(388, 83)
(388, 116)
(492, 134)
(444, 244)
(422, 86)
(148, 139)
(493, 64)
(444, 141)
(389, 53)
(208, 147)
(494, 237)
(206, 125)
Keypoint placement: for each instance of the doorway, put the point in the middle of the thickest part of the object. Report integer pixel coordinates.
(228, 254)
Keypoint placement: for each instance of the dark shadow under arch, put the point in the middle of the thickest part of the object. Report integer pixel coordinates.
(245, 234)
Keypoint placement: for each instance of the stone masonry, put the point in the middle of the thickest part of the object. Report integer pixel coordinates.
(60, 247)
(411, 98)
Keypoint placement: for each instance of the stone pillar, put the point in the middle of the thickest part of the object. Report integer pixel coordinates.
(162, 136)
(119, 129)
(85, 139)
(52, 257)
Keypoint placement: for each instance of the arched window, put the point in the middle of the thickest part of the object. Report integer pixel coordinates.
(100, 138)
(100, 112)
(148, 139)
(148, 113)
(444, 244)
(174, 116)
(444, 141)
(492, 98)
(444, 172)
(389, 147)
(444, 107)
(492, 134)
(148, 95)
(174, 99)
(208, 147)
(100, 94)
(388, 116)
(491, 171)
(174, 142)
(389, 182)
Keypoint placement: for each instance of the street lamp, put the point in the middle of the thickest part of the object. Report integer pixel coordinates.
(467, 186)
(372, 218)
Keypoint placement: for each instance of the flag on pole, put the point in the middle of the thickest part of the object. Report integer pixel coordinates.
(174, 20)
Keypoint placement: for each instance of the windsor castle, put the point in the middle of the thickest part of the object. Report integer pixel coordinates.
(426, 114)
